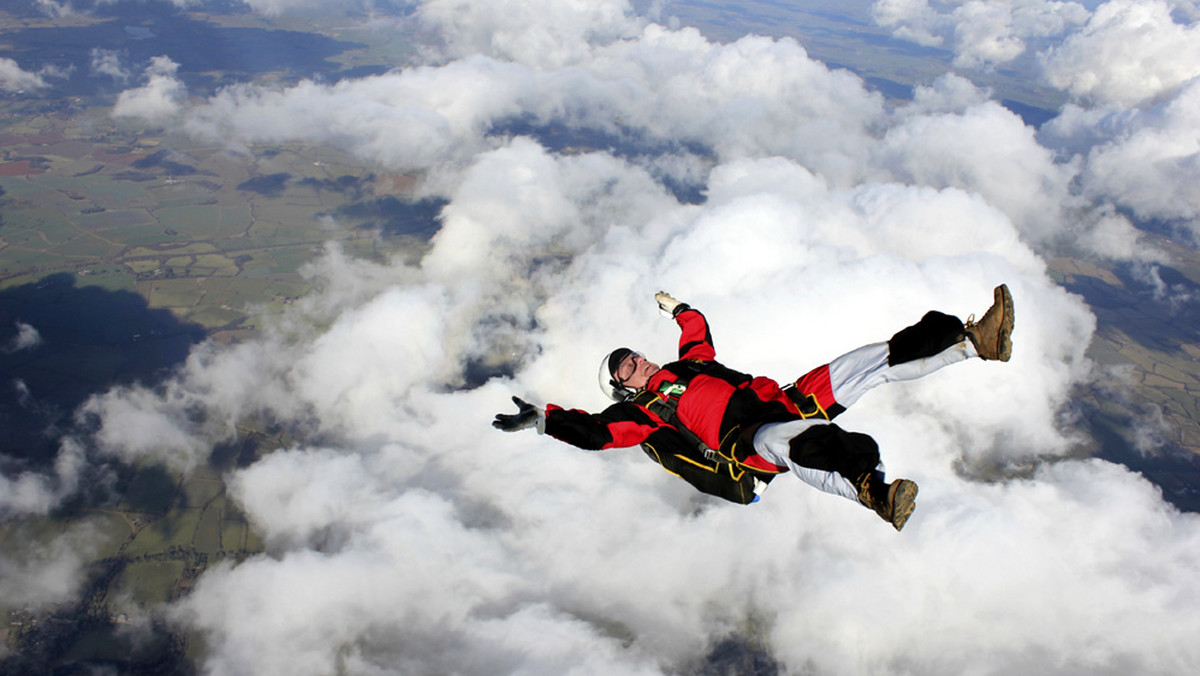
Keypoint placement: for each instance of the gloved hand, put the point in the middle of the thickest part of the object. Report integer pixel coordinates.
(668, 304)
(527, 416)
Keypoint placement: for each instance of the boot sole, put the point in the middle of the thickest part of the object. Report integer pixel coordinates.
(1003, 336)
(904, 500)
(1004, 344)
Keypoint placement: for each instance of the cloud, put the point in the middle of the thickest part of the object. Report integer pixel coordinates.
(108, 62)
(503, 538)
(55, 8)
(14, 78)
(912, 20)
(31, 492)
(159, 98)
(412, 119)
(27, 338)
(986, 526)
(952, 136)
(161, 422)
(667, 87)
(676, 89)
(307, 7)
(278, 7)
(1130, 51)
(416, 576)
(405, 535)
(981, 33)
(41, 573)
(1119, 52)
(545, 33)
(1144, 160)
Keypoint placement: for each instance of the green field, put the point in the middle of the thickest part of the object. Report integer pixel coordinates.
(210, 243)
(149, 583)
(1160, 347)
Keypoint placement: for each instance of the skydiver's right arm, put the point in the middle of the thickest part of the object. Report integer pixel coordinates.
(695, 339)
(618, 426)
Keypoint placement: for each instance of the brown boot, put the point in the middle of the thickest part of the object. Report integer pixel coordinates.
(902, 496)
(992, 335)
(893, 502)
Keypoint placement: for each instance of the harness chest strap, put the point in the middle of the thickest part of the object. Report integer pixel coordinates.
(664, 403)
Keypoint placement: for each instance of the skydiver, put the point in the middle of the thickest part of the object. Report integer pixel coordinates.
(729, 433)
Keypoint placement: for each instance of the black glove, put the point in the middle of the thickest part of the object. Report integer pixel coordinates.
(527, 416)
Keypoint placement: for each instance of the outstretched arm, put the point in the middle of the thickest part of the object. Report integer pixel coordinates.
(695, 339)
(618, 426)
(527, 416)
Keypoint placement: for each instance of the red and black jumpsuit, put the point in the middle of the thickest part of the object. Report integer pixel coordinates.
(723, 409)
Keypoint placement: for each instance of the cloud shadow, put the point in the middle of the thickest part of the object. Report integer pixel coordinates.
(91, 339)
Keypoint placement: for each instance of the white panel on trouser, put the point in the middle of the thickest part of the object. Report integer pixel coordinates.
(854, 373)
(772, 442)
(851, 376)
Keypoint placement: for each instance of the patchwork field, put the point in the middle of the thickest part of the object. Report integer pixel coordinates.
(200, 231)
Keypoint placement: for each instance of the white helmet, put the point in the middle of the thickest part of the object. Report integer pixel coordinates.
(608, 381)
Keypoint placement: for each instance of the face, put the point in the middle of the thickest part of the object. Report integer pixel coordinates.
(634, 371)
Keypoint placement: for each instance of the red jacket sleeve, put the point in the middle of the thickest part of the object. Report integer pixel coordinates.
(695, 340)
(618, 426)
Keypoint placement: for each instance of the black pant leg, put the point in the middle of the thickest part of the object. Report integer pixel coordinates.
(935, 332)
(830, 448)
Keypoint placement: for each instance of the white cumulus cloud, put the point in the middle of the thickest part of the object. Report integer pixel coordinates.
(981, 33)
(159, 98)
(1146, 160)
(1130, 51)
(108, 62)
(546, 33)
(46, 571)
(504, 537)
(15, 78)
